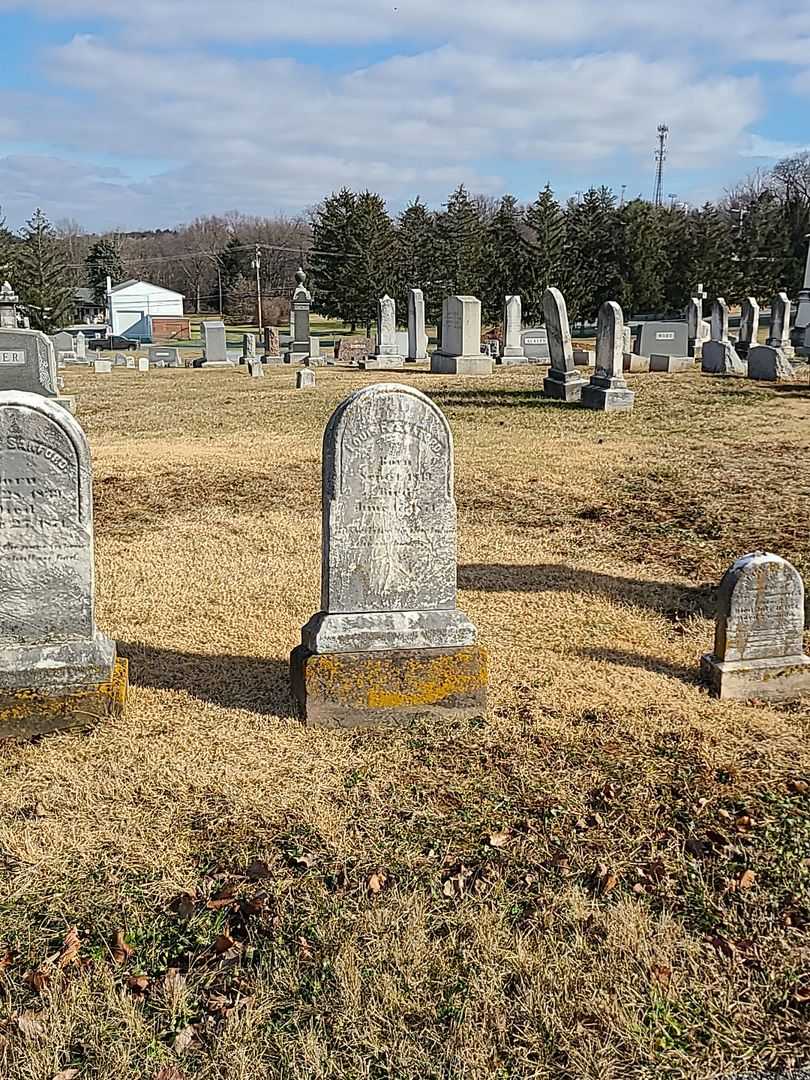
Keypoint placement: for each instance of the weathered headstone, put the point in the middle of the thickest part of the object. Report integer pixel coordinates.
(214, 345)
(607, 391)
(305, 379)
(314, 358)
(801, 328)
(758, 646)
(81, 346)
(120, 360)
(417, 334)
(351, 350)
(512, 329)
(8, 309)
(562, 382)
(670, 338)
(585, 357)
(143, 363)
(779, 336)
(28, 363)
(749, 327)
(719, 356)
(272, 349)
(102, 367)
(460, 349)
(63, 342)
(769, 364)
(248, 348)
(299, 320)
(386, 355)
(131, 363)
(534, 343)
(56, 669)
(389, 643)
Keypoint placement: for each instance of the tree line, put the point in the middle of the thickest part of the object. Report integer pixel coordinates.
(594, 247)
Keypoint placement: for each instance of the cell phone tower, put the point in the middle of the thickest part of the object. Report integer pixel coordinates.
(660, 158)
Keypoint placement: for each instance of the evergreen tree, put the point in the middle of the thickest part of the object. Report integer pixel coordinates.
(505, 263)
(712, 241)
(234, 264)
(370, 267)
(763, 249)
(332, 227)
(679, 268)
(641, 258)
(7, 251)
(545, 250)
(103, 260)
(592, 253)
(45, 282)
(414, 253)
(459, 250)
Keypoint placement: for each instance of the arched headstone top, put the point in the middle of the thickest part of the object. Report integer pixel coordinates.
(760, 613)
(558, 330)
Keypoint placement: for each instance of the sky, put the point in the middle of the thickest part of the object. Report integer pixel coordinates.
(147, 113)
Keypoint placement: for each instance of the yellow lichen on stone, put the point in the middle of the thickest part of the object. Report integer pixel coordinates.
(24, 713)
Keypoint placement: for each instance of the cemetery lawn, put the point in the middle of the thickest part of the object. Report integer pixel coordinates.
(607, 877)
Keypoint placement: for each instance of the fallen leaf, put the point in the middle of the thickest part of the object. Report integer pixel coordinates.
(6, 959)
(223, 943)
(662, 974)
(798, 787)
(183, 1039)
(258, 870)
(121, 951)
(744, 823)
(138, 984)
(69, 953)
(184, 906)
(747, 879)
(498, 839)
(170, 1072)
(304, 949)
(66, 1074)
(606, 879)
(801, 995)
(39, 979)
(30, 1026)
(376, 882)
(723, 946)
(695, 847)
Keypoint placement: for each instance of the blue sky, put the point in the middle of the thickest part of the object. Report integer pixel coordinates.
(122, 114)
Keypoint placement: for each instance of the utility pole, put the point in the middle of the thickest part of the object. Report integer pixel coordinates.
(660, 158)
(257, 265)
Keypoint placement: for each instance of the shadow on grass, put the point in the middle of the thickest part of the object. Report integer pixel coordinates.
(668, 598)
(233, 682)
(531, 397)
(646, 663)
(799, 390)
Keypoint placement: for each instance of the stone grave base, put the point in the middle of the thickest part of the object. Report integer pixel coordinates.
(584, 357)
(607, 395)
(672, 365)
(66, 402)
(720, 358)
(746, 680)
(217, 364)
(443, 364)
(347, 690)
(510, 358)
(635, 364)
(766, 362)
(271, 359)
(25, 713)
(563, 385)
(382, 363)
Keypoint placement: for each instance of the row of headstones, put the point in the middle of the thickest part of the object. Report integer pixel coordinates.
(389, 642)
(745, 356)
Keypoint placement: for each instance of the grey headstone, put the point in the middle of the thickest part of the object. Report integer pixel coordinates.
(63, 342)
(389, 528)
(801, 327)
(215, 344)
(779, 336)
(512, 332)
(164, 356)
(305, 379)
(27, 362)
(758, 646)
(770, 364)
(719, 357)
(417, 334)
(534, 343)
(255, 367)
(460, 350)
(81, 346)
(300, 319)
(248, 348)
(386, 355)
(663, 337)
(562, 382)
(607, 391)
(120, 360)
(48, 637)
(749, 326)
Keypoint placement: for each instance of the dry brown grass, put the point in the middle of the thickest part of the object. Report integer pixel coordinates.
(559, 886)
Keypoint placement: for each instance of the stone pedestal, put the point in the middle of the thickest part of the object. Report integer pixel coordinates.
(720, 358)
(443, 364)
(349, 690)
(606, 394)
(513, 356)
(671, 365)
(25, 713)
(563, 385)
(766, 680)
(802, 324)
(769, 364)
(382, 362)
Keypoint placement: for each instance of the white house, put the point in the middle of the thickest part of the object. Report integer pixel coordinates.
(132, 304)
